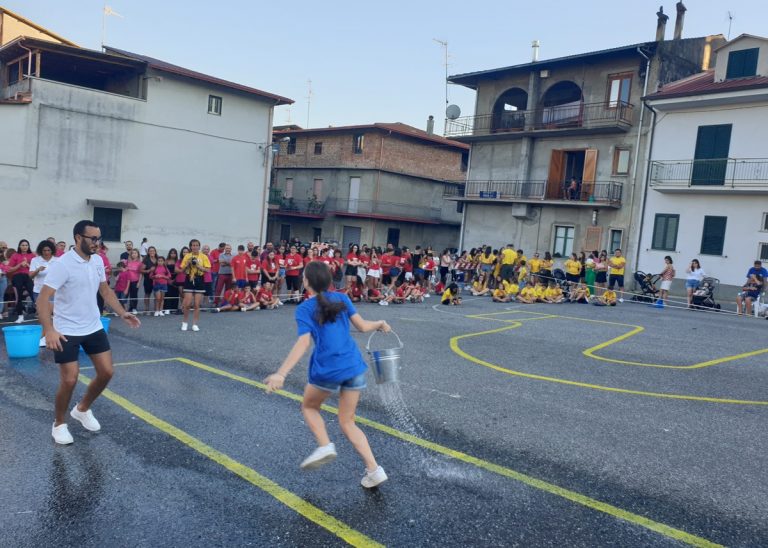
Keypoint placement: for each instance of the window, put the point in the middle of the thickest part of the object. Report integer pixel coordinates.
(289, 187)
(110, 222)
(285, 233)
(318, 147)
(317, 234)
(14, 73)
(711, 154)
(620, 161)
(563, 241)
(615, 240)
(713, 235)
(317, 188)
(762, 251)
(291, 148)
(358, 143)
(742, 63)
(619, 87)
(765, 223)
(464, 160)
(393, 236)
(214, 105)
(665, 232)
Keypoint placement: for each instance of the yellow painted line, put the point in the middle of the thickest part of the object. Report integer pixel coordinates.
(295, 503)
(531, 481)
(454, 343)
(142, 362)
(634, 330)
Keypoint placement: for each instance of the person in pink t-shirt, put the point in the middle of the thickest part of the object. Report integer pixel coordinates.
(19, 267)
(133, 266)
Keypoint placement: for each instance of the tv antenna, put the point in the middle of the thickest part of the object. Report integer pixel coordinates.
(730, 21)
(444, 45)
(107, 12)
(309, 99)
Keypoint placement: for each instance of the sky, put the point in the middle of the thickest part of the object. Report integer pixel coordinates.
(372, 62)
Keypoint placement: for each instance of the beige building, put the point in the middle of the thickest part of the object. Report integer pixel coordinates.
(373, 184)
(13, 25)
(558, 146)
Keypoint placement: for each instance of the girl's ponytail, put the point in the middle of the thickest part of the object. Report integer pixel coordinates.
(318, 277)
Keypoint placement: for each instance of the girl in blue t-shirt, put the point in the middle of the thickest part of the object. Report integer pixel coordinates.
(336, 366)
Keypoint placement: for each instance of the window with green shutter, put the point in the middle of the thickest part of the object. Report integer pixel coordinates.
(665, 232)
(713, 236)
(742, 63)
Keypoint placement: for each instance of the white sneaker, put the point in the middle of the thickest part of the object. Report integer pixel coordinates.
(42, 342)
(195, 328)
(383, 303)
(320, 456)
(61, 434)
(621, 300)
(20, 319)
(166, 312)
(372, 479)
(86, 418)
(134, 311)
(183, 326)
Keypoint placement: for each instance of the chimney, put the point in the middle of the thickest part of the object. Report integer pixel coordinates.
(661, 24)
(535, 45)
(681, 9)
(430, 125)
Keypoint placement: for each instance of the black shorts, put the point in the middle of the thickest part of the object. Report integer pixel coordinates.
(601, 277)
(194, 285)
(253, 284)
(386, 279)
(350, 271)
(265, 279)
(293, 283)
(615, 279)
(149, 285)
(95, 343)
(573, 278)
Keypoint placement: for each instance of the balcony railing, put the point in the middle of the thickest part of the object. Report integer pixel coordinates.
(734, 174)
(397, 210)
(568, 116)
(600, 192)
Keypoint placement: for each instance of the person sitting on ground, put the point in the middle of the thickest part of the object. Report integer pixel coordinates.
(399, 296)
(511, 289)
(500, 296)
(480, 286)
(580, 293)
(540, 291)
(248, 300)
(265, 299)
(527, 295)
(373, 295)
(451, 296)
(414, 293)
(553, 294)
(522, 274)
(606, 299)
(355, 292)
(231, 300)
(749, 293)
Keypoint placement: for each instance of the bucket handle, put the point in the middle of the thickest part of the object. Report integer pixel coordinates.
(368, 344)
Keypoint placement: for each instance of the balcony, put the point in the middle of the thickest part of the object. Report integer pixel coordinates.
(571, 118)
(721, 176)
(291, 207)
(390, 211)
(589, 194)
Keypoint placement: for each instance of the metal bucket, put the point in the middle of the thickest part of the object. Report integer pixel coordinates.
(386, 363)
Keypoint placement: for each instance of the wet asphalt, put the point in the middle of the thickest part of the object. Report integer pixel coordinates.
(696, 466)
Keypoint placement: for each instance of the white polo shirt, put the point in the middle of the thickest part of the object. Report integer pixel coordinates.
(76, 282)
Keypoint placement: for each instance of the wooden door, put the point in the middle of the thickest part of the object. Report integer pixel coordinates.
(555, 182)
(590, 174)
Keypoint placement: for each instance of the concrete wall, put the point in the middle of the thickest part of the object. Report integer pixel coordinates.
(191, 174)
(675, 139)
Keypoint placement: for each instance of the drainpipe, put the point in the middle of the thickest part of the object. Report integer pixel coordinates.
(466, 204)
(29, 60)
(648, 152)
(267, 167)
(637, 146)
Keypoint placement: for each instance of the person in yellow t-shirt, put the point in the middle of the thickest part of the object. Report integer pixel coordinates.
(535, 266)
(540, 292)
(500, 296)
(616, 273)
(507, 258)
(486, 259)
(553, 294)
(194, 264)
(451, 295)
(480, 286)
(527, 295)
(547, 264)
(573, 268)
(511, 288)
(580, 294)
(521, 257)
(522, 274)
(606, 299)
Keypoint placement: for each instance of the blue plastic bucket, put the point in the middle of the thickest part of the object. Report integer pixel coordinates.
(105, 324)
(22, 341)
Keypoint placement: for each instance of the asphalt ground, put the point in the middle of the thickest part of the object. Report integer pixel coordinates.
(519, 425)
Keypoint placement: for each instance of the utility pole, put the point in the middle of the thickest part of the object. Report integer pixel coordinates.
(444, 45)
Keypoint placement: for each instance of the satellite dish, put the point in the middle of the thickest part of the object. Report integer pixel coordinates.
(452, 112)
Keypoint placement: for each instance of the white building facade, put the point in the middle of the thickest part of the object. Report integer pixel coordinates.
(144, 148)
(707, 193)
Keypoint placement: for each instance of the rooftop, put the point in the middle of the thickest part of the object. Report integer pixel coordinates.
(34, 26)
(704, 83)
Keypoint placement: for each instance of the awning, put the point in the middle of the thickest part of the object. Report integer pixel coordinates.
(107, 203)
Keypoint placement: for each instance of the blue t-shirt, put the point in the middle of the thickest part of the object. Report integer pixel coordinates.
(336, 357)
(762, 271)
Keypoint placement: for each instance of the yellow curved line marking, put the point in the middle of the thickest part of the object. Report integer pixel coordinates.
(636, 329)
(456, 349)
(573, 496)
(283, 495)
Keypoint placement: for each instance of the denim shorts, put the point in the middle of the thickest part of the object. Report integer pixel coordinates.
(691, 284)
(355, 383)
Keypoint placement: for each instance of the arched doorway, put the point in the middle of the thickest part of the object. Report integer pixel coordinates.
(509, 111)
(562, 105)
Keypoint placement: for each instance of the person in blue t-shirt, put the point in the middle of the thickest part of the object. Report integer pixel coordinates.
(336, 366)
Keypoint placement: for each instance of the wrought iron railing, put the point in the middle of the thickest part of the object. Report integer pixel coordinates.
(596, 192)
(275, 196)
(571, 115)
(736, 173)
(384, 208)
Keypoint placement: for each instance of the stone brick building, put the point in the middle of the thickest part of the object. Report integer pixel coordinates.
(374, 184)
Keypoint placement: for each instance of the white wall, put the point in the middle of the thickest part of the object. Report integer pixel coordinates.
(190, 173)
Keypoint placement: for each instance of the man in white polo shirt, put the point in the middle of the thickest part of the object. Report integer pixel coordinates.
(75, 279)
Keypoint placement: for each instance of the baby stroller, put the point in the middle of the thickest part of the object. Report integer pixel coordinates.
(647, 284)
(704, 295)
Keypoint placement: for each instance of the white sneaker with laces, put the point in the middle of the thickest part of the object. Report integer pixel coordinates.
(195, 328)
(320, 456)
(61, 434)
(183, 326)
(383, 303)
(20, 319)
(166, 312)
(86, 418)
(372, 479)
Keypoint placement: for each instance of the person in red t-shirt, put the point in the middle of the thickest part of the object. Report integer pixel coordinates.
(294, 264)
(387, 260)
(337, 269)
(248, 300)
(231, 300)
(281, 271)
(373, 277)
(18, 266)
(356, 292)
(269, 269)
(374, 296)
(214, 258)
(253, 269)
(265, 298)
(240, 267)
(352, 261)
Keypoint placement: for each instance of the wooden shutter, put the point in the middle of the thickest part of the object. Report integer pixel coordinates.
(590, 173)
(713, 236)
(710, 158)
(592, 238)
(555, 180)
